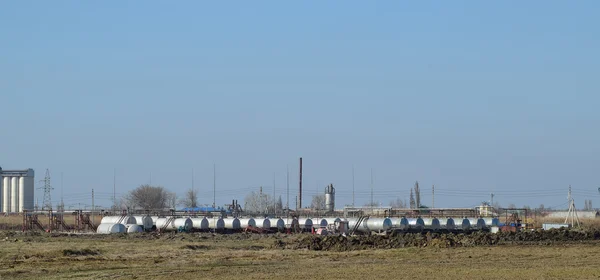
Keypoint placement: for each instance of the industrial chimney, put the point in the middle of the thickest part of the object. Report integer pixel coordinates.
(330, 198)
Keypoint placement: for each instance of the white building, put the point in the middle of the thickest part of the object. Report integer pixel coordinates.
(17, 190)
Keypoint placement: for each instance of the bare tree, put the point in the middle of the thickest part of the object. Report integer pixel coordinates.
(318, 202)
(148, 197)
(190, 199)
(374, 204)
(398, 203)
(417, 195)
(258, 202)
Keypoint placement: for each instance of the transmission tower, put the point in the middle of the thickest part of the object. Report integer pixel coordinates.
(47, 204)
(572, 214)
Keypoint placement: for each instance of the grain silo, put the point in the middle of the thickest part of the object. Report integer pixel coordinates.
(17, 190)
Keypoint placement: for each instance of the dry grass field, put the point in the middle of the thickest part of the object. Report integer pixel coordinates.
(195, 256)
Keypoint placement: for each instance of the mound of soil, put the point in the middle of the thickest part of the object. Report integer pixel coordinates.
(437, 240)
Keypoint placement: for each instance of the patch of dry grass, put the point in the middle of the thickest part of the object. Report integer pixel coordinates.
(183, 257)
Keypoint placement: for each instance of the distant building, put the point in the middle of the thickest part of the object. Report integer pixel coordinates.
(580, 214)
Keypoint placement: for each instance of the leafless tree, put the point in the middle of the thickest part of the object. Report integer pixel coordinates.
(398, 203)
(318, 202)
(417, 195)
(374, 204)
(148, 197)
(190, 199)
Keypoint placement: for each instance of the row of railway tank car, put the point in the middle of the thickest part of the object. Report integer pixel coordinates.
(130, 224)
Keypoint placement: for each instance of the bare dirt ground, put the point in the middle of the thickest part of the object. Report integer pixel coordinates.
(557, 255)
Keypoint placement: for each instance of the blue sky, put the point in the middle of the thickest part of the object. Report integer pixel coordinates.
(474, 97)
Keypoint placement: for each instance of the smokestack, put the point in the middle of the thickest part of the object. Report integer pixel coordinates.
(300, 187)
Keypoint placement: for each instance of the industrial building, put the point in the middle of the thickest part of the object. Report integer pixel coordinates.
(17, 190)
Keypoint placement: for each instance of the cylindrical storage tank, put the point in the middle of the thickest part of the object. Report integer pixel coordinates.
(184, 224)
(305, 224)
(134, 228)
(216, 223)
(402, 223)
(247, 222)
(21, 194)
(126, 220)
(263, 223)
(465, 224)
(332, 221)
(416, 223)
(491, 222)
(431, 223)
(447, 223)
(200, 223)
(319, 223)
(361, 228)
(154, 219)
(330, 198)
(477, 223)
(232, 223)
(164, 224)
(14, 194)
(279, 224)
(379, 224)
(110, 228)
(144, 221)
(292, 223)
(6, 195)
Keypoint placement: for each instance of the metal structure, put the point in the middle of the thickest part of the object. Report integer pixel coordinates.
(17, 190)
(47, 203)
(330, 198)
(299, 204)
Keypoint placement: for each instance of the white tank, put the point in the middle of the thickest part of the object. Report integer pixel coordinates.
(246, 222)
(14, 194)
(416, 223)
(279, 224)
(319, 222)
(361, 228)
(331, 221)
(477, 223)
(110, 228)
(263, 223)
(154, 219)
(216, 223)
(431, 223)
(379, 224)
(6, 195)
(305, 224)
(447, 223)
(200, 223)
(119, 219)
(491, 222)
(144, 221)
(21, 193)
(183, 224)
(402, 223)
(232, 223)
(134, 228)
(462, 223)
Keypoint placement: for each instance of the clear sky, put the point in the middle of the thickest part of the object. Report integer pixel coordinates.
(472, 96)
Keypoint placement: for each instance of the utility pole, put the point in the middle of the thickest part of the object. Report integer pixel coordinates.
(193, 196)
(93, 208)
(287, 177)
(62, 203)
(352, 185)
(114, 190)
(214, 185)
(274, 201)
(371, 187)
(492, 199)
(432, 196)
